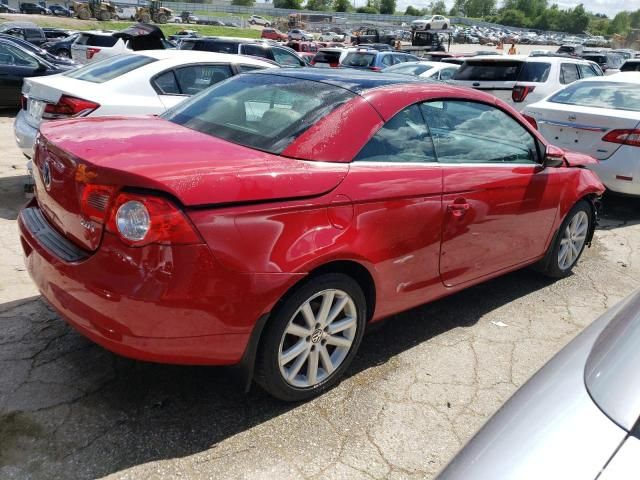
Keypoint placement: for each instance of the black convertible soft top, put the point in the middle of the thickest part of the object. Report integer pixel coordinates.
(142, 36)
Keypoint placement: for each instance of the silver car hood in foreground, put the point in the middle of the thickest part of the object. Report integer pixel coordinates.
(550, 428)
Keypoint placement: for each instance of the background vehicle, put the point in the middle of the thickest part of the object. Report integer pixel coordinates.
(282, 55)
(99, 44)
(153, 11)
(631, 66)
(34, 8)
(575, 418)
(331, 37)
(25, 30)
(427, 70)
(16, 64)
(302, 47)
(61, 48)
(374, 35)
(520, 80)
(126, 13)
(37, 51)
(297, 34)
(600, 117)
(274, 34)
(436, 22)
(98, 9)
(610, 63)
(59, 10)
(258, 20)
(188, 17)
(7, 9)
(374, 60)
(131, 84)
(571, 49)
(274, 147)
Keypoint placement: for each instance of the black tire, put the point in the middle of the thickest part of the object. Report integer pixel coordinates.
(251, 22)
(550, 265)
(267, 369)
(427, 26)
(444, 27)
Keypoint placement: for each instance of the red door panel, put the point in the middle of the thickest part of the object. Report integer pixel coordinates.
(495, 217)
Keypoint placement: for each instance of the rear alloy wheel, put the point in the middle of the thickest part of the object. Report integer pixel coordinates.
(312, 338)
(570, 241)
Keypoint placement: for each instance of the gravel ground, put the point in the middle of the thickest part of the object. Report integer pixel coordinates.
(421, 385)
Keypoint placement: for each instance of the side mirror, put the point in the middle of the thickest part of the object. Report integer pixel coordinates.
(553, 157)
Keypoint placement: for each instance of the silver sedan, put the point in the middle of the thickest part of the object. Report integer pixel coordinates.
(577, 418)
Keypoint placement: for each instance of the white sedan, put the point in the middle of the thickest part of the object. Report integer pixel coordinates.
(599, 116)
(430, 70)
(436, 22)
(137, 83)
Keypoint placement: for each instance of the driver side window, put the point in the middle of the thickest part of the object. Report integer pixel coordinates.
(471, 132)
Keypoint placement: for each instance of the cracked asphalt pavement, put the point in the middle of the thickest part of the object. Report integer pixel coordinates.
(422, 384)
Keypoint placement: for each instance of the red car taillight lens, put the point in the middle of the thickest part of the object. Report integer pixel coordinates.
(334, 65)
(531, 120)
(519, 93)
(375, 69)
(23, 102)
(68, 107)
(624, 137)
(144, 219)
(91, 52)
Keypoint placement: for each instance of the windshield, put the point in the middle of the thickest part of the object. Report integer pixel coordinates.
(489, 71)
(109, 68)
(265, 112)
(613, 95)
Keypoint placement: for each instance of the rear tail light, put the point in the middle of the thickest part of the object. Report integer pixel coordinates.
(334, 65)
(519, 93)
(95, 200)
(375, 69)
(145, 219)
(91, 51)
(68, 107)
(624, 136)
(531, 120)
(23, 102)
(313, 62)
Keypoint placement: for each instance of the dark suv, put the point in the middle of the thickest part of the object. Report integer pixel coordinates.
(34, 8)
(281, 55)
(369, 59)
(606, 60)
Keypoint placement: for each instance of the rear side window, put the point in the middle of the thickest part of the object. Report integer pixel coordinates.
(404, 138)
(488, 71)
(587, 71)
(630, 67)
(256, 51)
(614, 95)
(33, 33)
(358, 59)
(221, 47)
(568, 73)
(285, 58)
(187, 45)
(534, 72)
(599, 59)
(265, 112)
(97, 40)
(109, 68)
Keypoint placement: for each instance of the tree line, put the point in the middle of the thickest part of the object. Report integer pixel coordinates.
(536, 14)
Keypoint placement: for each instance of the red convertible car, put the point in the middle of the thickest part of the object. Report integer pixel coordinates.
(266, 221)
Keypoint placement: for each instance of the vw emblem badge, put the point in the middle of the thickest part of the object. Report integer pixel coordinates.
(46, 175)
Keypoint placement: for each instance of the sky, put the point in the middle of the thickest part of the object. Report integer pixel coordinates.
(608, 7)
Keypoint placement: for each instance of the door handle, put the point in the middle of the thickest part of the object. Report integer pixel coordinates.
(458, 209)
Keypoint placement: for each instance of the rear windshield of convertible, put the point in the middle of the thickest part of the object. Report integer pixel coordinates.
(109, 68)
(265, 112)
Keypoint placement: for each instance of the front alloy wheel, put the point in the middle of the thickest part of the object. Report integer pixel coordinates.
(312, 337)
(573, 239)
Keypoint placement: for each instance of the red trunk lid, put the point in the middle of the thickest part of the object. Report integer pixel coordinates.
(151, 153)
